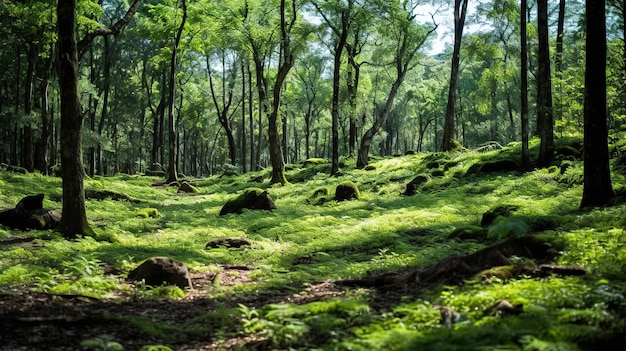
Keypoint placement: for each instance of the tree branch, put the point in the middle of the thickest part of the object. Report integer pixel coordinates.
(114, 29)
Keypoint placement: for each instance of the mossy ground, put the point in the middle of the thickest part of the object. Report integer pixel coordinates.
(303, 243)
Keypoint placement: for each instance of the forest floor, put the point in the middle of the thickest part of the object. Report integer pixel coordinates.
(411, 264)
(41, 321)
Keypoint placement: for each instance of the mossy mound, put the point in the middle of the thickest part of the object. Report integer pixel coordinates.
(319, 196)
(415, 183)
(252, 199)
(500, 211)
(347, 191)
(157, 271)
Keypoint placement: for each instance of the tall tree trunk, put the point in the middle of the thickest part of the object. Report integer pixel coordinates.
(27, 137)
(545, 122)
(41, 154)
(105, 103)
(172, 173)
(524, 87)
(251, 117)
(339, 46)
(558, 57)
(597, 189)
(243, 117)
(286, 63)
(74, 219)
(460, 9)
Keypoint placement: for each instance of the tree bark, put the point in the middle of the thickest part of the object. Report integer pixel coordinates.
(172, 173)
(460, 9)
(545, 122)
(74, 219)
(42, 147)
(287, 60)
(597, 188)
(525, 165)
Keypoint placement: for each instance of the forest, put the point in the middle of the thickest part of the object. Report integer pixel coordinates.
(312, 175)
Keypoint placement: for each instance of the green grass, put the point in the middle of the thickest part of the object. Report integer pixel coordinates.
(382, 231)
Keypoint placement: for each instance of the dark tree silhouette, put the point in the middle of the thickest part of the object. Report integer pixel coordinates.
(597, 190)
(460, 9)
(545, 121)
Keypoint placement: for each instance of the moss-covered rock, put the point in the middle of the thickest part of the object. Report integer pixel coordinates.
(187, 188)
(157, 271)
(228, 243)
(252, 199)
(315, 161)
(500, 211)
(347, 191)
(415, 183)
(319, 196)
(148, 212)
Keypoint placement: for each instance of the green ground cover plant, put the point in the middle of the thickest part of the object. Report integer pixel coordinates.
(305, 243)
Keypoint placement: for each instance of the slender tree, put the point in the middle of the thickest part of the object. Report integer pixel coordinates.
(409, 38)
(524, 85)
(172, 173)
(597, 188)
(545, 121)
(340, 26)
(460, 10)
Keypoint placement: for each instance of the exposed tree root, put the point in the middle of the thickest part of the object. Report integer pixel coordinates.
(454, 269)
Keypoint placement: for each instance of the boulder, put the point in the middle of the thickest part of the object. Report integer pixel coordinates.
(252, 199)
(157, 271)
(227, 243)
(346, 191)
(29, 214)
(187, 188)
(414, 184)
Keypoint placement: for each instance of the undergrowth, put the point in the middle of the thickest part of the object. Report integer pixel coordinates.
(304, 241)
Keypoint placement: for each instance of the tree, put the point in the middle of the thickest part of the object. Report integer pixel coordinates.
(545, 121)
(597, 188)
(460, 10)
(524, 86)
(74, 219)
(407, 37)
(339, 24)
(172, 173)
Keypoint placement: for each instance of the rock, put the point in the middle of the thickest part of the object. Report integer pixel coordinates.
(252, 199)
(346, 191)
(187, 188)
(157, 271)
(499, 166)
(503, 211)
(414, 184)
(227, 243)
(29, 214)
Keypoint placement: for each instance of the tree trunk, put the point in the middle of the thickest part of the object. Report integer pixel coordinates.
(27, 137)
(339, 46)
(74, 219)
(524, 87)
(243, 117)
(545, 123)
(597, 189)
(41, 155)
(105, 103)
(286, 62)
(460, 9)
(172, 173)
